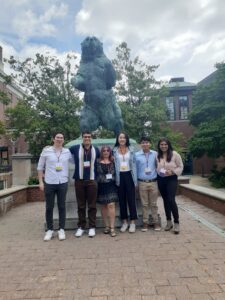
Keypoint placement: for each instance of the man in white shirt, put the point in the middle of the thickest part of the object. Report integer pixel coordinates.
(53, 174)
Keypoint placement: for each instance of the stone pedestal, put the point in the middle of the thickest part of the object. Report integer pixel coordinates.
(71, 203)
(71, 210)
(21, 167)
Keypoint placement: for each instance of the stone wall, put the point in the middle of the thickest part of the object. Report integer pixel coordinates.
(19, 195)
(208, 200)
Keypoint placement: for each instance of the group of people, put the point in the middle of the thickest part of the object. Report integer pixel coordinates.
(108, 176)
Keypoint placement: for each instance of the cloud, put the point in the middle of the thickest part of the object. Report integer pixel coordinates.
(184, 37)
(31, 50)
(26, 19)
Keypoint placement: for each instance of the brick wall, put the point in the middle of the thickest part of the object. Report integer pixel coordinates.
(34, 194)
(206, 200)
(15, 196)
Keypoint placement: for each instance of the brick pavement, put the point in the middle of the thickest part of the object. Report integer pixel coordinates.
(145, 266)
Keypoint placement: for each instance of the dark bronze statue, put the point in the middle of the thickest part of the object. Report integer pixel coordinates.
(96, 77)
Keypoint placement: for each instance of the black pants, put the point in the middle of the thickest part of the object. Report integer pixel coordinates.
(126, 193)
(167, 187)
(86, 193)
(52, 190)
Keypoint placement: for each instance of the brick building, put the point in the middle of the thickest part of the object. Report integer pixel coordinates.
(179, 105)
(8, 145)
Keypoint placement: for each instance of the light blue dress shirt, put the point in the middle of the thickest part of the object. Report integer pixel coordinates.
(146, 160)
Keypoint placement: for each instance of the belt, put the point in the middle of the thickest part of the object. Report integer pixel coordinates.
(150, 180)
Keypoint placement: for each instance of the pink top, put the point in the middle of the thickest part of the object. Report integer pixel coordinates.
(175, 165)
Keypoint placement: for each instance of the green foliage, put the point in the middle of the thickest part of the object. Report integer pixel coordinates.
(33, 181)
(141, 97)
(208, 117)
(218, 177)
(4, 98)
(2, 128)
(52, 103)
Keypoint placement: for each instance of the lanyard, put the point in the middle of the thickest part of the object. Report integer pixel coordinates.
(86, 153)
(123, 153)
(147, 157)
(58, 156)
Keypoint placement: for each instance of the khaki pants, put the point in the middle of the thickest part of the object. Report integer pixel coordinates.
(149, 193)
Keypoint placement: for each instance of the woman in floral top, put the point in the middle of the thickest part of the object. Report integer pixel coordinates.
(107, 190)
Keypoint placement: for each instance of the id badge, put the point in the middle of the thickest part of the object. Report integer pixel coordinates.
(123, 166)
(147, 170)
(58, 167)
(162, 172)
(108, 176)
(87, 164)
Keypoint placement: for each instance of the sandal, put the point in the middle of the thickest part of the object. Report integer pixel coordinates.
(112, 232)
(106, 230)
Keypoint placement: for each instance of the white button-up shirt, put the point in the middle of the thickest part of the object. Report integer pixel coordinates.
(48, 162)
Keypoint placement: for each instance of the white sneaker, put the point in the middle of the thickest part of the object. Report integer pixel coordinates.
(91, 232)
(79, 232)
(132, 228)
(61, 235)
(48, 235)
(124, 227)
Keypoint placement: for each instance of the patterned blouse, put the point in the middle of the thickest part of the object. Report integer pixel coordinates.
(103, 169)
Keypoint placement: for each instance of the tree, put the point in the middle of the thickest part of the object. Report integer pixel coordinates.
(4, 98)
(141, 96)
(51, 104)
(208, 117)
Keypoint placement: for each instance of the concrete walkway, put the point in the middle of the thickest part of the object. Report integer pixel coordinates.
(151, 265)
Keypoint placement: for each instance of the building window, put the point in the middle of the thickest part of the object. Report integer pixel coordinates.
(1, 184)
(170, 108)
(4, 159)
(183, 107)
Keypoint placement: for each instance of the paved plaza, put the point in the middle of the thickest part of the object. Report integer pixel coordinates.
(140, 266)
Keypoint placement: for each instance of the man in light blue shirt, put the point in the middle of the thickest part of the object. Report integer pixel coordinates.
(147, 183)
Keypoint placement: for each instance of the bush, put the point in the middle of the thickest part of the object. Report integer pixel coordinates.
(33, 181)
(218, 177)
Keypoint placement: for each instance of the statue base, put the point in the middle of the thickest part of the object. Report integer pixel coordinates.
(71, 203)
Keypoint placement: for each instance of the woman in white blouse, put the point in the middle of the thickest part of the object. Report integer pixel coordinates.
(126, 180)
(169, 167)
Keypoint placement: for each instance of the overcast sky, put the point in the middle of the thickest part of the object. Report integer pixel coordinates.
(186, 38)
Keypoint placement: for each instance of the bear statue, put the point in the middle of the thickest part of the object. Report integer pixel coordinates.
(96, 77)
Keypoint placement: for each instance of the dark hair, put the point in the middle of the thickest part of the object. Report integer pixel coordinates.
(110, 152)
(86, 132)
(169, 151)
(57, 132)
(126, 137)
(145, 139)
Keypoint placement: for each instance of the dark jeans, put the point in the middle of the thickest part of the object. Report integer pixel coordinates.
(126, 193)
(52, 190)
(86, 192)
(167, 187)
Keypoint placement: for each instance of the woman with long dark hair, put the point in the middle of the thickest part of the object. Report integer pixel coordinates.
(126, 180)
(107, 189)
(169, 167)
